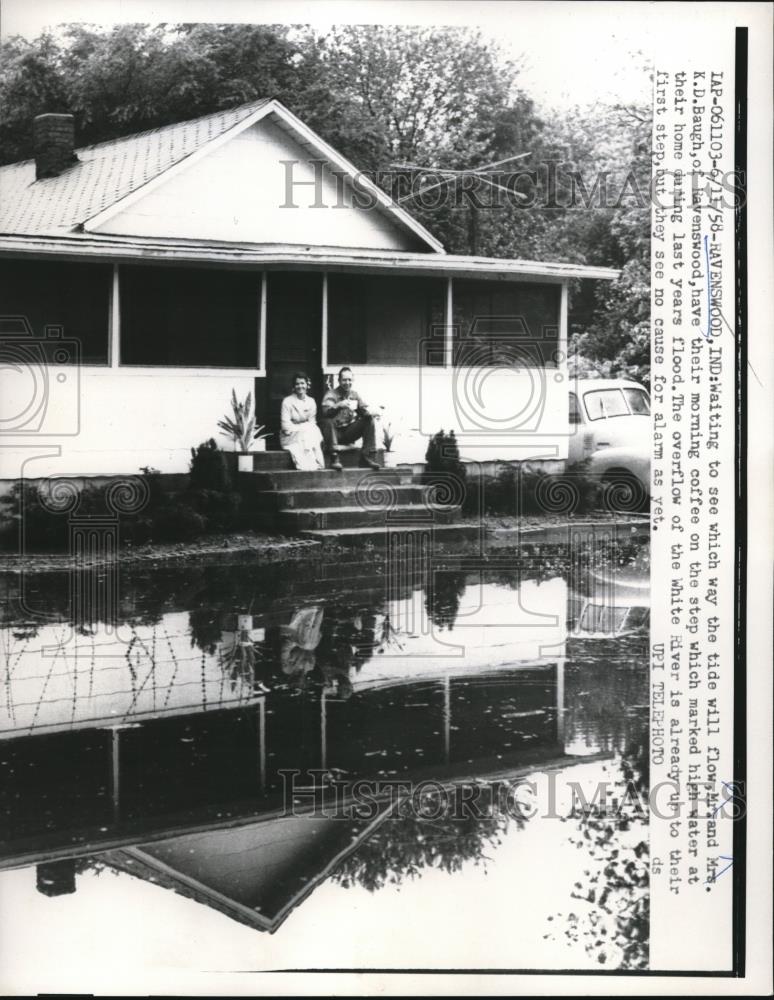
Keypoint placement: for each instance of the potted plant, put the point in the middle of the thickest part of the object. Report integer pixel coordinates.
(242, 430)
(388, 442)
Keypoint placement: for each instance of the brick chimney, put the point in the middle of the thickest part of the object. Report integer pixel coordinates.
(54, 142)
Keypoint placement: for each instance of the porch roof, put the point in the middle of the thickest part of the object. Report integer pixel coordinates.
(95, 247)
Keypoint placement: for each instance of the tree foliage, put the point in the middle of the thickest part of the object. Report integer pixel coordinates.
(390, 99)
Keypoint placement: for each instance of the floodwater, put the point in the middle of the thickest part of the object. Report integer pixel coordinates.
(346, 764)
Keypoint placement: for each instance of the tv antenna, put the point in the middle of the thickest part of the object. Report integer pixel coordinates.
(485, 173)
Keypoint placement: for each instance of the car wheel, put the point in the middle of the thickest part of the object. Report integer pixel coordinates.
(622, 492)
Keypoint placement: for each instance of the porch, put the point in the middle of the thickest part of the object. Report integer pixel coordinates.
(137, 355)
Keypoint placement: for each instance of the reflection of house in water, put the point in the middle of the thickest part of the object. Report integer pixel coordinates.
(254, 873)
(58, 679)
(458, 681)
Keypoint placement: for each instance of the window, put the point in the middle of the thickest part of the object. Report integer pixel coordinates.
(189, 317)
(575, 414)
(638, 401)
(601, 403)
(506, 323)
(380, 320)
(73, 297)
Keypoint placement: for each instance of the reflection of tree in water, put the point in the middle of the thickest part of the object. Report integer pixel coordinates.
(406, 843)
(442, 598)
(205, 627)
(613, 922)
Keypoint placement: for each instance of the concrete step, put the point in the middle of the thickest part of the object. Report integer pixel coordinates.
(350, 478)
(342, 496)
(440, 534)
(264, 461)
(292, 521)
(278, 461)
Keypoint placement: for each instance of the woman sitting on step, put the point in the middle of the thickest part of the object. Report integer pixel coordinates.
(299, 433)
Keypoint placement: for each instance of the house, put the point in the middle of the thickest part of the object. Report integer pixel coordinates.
(144, 278)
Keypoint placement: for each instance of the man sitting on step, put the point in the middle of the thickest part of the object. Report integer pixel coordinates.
(346, 419)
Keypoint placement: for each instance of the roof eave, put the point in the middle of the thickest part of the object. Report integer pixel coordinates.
(128, 249)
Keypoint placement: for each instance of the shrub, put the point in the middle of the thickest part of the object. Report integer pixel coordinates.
(210, 492)
(29, 522)
(177, 521)
(219, 510)
(517, 491)
(443, 454)
(152, 480)
(445, 471)
(209, 470)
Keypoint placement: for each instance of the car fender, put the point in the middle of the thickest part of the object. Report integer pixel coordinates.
(633, 461)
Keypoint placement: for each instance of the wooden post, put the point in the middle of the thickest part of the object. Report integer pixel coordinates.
(324, 324)
(560, 700)
(262, 743)
(563, 327)
(262, 325)
(115, 759)
(448, 352)
(323, 732)
(114, 355)
(447, 719)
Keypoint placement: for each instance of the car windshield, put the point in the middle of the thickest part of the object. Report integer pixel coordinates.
(638, 401)
(602, 403)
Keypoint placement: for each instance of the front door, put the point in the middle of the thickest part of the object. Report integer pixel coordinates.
(293, 340)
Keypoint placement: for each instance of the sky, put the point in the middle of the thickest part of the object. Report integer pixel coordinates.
(117, 931)
(571, 53)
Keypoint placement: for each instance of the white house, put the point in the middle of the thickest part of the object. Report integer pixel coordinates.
(143, 278)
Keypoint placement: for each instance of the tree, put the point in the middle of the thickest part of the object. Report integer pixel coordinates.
(390, 99)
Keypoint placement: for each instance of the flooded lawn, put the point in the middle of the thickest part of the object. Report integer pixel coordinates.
(342, 754)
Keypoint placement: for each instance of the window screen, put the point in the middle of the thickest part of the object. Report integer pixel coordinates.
(383, 320)
(506, 323)
(189, 317)
(72, 296)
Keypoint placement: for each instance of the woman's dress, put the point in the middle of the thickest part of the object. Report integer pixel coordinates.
(299, 433)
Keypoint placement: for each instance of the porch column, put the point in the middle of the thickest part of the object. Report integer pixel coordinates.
(324, 323)
(262, 743)
(560, 701)
(563, 338)
(262, 324)
(448, 345)
(323, 731)
(447, 719)
(114, 356)
(115, 770)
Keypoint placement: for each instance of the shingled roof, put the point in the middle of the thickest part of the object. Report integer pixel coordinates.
(105, 173)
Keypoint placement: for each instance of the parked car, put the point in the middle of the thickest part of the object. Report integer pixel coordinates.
(610, 430)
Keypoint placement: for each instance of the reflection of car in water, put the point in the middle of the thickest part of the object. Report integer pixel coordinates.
(614, 605)
(611, 430)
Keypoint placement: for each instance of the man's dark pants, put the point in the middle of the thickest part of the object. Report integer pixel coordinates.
(334, 436)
